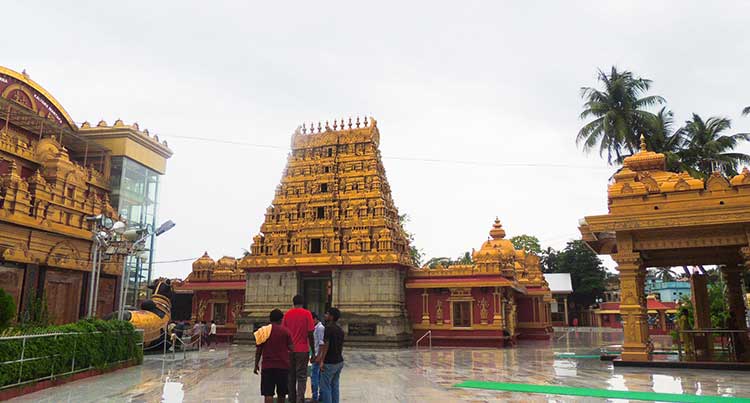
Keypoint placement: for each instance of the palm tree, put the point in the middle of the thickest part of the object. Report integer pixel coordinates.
(663, 139)
(664, 274)
(618, 112)
(707, 150)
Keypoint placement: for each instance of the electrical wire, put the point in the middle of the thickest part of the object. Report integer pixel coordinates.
(401, 158)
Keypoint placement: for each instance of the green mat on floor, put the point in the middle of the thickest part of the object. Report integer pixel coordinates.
(590, 392)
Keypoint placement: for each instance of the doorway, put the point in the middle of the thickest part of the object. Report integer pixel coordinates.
(317, 293)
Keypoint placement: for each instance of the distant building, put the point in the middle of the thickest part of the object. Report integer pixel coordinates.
(668, 291)
(214, 290)
(561, 286)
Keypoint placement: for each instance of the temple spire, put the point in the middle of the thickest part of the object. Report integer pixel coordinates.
(643, 143)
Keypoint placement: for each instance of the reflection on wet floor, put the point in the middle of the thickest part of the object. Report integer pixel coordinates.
(225, 375)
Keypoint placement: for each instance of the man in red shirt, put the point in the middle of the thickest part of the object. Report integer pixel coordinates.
(275, 352)
(299, 322)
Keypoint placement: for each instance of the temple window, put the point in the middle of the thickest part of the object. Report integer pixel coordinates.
(315, 245)
(220, 313)
(462, 314)
(321, 211)
(330, 152)
(323, 188)
(326, 169)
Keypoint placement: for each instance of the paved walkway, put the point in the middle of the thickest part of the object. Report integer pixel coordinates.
(225, 375)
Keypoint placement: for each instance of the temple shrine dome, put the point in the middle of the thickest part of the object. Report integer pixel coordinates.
(204, 263)
(497, 247)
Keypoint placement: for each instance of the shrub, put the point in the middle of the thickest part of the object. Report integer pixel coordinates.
(7, 309)
(84, 349)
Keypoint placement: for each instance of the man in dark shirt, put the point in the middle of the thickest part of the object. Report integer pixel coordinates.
(330, 359)
(275, 353)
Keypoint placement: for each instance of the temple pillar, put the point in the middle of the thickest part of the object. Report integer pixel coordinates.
(425, 309)
(736, 302)
(636, 346)
(662, 320)
(701, 316)
(497, 301)
(565, 303)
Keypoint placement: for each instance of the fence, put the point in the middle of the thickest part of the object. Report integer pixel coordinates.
(64, 353)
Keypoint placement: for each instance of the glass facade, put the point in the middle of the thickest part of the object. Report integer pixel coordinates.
(135, 191)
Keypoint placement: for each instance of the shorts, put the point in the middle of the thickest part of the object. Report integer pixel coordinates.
(274, 378)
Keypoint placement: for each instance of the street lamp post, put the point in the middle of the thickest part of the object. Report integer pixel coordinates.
(138, 237)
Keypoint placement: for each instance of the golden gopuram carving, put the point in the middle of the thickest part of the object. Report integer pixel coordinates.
(332, 233)
(501, 296)
(658, 218)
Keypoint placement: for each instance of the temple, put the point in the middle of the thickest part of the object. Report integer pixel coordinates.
(500, 297)
(217, 292)
(332, 233)
(658, 218)
(53, 175)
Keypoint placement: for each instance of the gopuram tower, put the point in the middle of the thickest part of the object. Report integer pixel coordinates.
(332, 234)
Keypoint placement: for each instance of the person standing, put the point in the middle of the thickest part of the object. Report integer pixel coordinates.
(330, 359)
(275, 353)
(212, 334)
(204, 333)
(195, 334)
(299, 322)
(318, 340)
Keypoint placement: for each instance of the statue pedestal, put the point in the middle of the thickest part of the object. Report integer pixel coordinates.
(245, 330)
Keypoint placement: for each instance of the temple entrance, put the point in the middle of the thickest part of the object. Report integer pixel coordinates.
(317, 292)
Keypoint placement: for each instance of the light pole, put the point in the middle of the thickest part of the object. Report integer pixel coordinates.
(102, 233)
(137, 238)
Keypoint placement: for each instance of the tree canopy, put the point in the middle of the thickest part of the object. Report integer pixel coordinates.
(529, 243)
(415, 253)
(619, 112)
(587, 273)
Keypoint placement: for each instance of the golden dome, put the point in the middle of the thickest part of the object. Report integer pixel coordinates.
(497, 231)
(497, 247)
(645, 160)
(226, 263)
(102, 123)
(204, 263)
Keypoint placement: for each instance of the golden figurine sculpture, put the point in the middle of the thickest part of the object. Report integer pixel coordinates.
(155, 313)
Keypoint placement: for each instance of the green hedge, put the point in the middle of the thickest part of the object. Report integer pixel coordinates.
(118, 341)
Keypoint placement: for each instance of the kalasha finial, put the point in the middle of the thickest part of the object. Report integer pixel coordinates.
(365, 121)
(357, 121)
(335, 124)
(342, 124)
(350, 122)
(320, 129)
(304, 130)
(643, 143)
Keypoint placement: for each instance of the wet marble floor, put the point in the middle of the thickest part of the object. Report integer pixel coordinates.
(225, 375)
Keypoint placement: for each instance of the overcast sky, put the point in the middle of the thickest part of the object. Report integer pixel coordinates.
(495, 83)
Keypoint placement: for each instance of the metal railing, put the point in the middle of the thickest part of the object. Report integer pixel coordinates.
(428, 335)
(24, 358)
(727, 342)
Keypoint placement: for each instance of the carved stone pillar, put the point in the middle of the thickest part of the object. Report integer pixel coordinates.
(636, 346)
(736, 301)
(497, 299)
(425, 308)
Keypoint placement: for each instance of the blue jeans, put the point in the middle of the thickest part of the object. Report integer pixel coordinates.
(329, 382)
(315, 380)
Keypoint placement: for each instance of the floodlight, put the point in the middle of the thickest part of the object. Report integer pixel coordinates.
(119, 227)
(166, 226)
